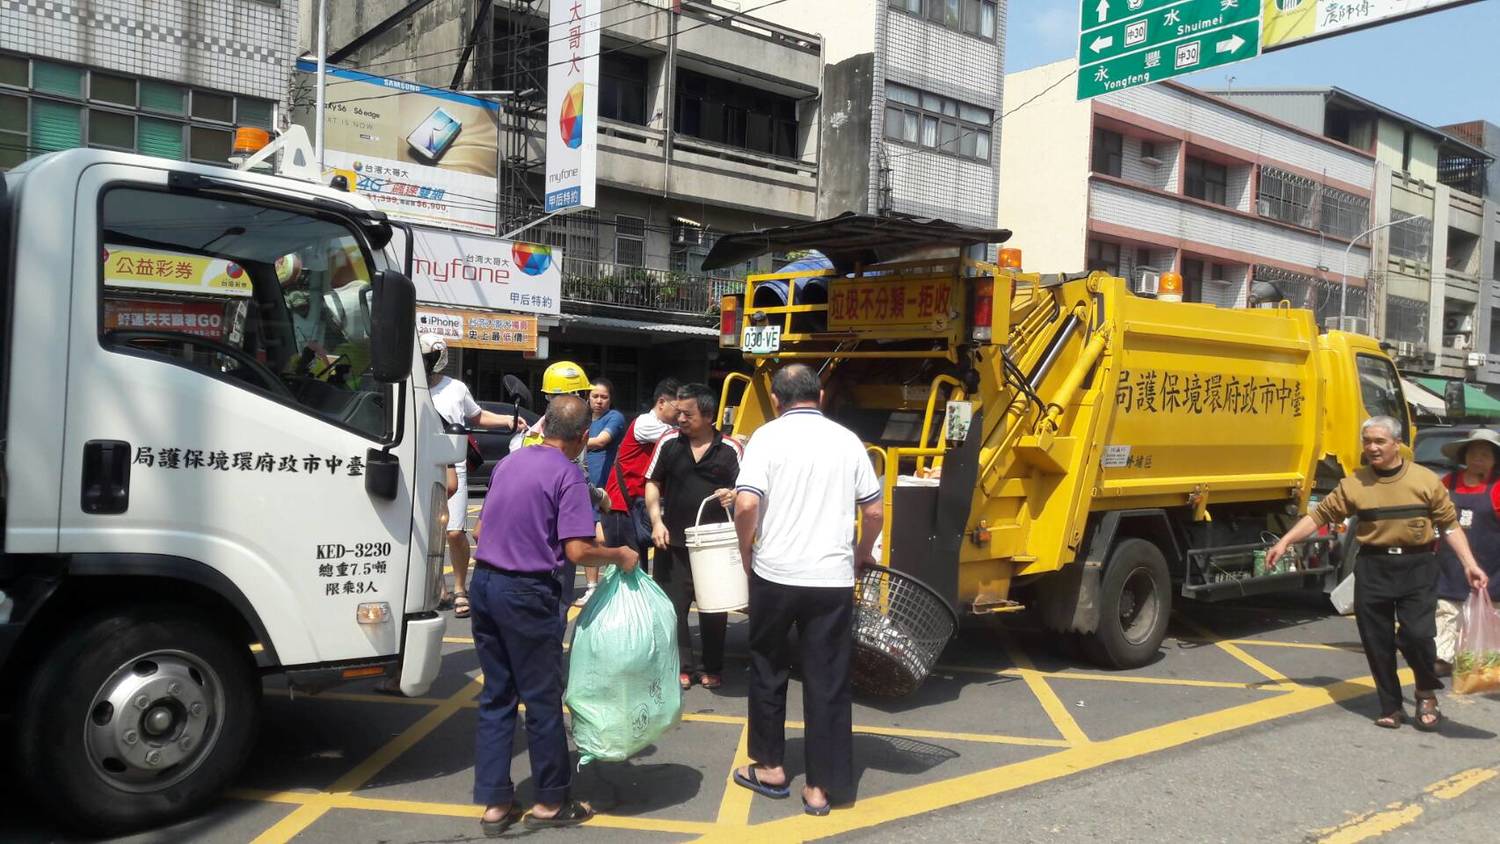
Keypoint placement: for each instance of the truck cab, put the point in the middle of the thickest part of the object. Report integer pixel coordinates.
(220, 462)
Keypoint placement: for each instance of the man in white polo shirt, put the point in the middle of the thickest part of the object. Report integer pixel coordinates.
(801, 481)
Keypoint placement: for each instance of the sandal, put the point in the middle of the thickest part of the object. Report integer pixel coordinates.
(1428, 716)
(816, 811)
(710, 681)
(751, 780)
(572, 813)
(685, 680)
(495, 829)
(460, 604)
(1391, 721)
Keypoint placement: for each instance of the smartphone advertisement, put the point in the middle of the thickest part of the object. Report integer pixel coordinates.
(423, 155)
(572, 104)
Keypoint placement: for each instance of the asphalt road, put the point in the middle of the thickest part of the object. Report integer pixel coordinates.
(1254, 724)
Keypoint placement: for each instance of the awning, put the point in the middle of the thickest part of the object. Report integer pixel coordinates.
(617, 324)
(1476, 401)
(850, 239)
(1423, 398)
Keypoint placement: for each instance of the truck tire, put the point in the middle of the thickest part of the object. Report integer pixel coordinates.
(136, 719)
(1135, 601)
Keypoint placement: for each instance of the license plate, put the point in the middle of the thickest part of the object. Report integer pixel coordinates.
(762, 339)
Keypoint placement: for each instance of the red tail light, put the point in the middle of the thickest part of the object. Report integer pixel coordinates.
(729, 322)
(983, 312)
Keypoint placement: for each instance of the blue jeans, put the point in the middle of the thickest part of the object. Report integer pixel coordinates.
(518, 635)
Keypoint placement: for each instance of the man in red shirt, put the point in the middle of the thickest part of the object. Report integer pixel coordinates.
(626, 525)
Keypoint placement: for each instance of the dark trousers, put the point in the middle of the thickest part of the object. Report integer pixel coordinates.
(627, 529)
(518, 634)
(674, 573)
(1390, 589)
(825, 636)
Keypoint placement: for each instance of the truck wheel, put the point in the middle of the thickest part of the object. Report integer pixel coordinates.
(137, 719)
(1135, 600)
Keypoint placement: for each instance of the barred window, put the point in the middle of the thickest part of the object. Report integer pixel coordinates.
(1344, 214)
(630, 240)
(1287, 197)
(1412, 239)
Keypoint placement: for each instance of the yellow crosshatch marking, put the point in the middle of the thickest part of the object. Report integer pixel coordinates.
(1067, 752)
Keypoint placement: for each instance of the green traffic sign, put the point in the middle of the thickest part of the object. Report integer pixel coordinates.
(1101, 12)
(1154, 27)
(1177, 38)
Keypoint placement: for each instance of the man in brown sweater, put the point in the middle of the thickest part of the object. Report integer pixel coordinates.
(1402, 508)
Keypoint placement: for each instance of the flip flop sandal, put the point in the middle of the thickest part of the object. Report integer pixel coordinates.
(495, 829)
(711, 681)
(685, 680)
(816, 811)
(751, 780)
(1391, 721)
(572, 814)
(461, 605)
(1427, 707)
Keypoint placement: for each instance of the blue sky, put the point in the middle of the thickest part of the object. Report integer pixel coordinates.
(1440, 68)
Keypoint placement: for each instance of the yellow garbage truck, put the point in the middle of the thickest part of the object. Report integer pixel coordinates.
(1059, 443)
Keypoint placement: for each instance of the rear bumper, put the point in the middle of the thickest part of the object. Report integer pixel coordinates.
(423, 654)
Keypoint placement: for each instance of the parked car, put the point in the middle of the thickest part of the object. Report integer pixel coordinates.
(1428, 447)
(493, 444)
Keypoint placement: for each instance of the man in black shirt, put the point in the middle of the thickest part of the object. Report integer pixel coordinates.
(690, 464)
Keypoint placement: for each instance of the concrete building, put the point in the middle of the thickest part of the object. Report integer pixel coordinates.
(1435, 299)
(1166, 178)
(1471, 175)
(912, 98)
(164, 78)
(709, 123)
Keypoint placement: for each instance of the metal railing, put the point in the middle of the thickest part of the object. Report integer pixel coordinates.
(644, 288)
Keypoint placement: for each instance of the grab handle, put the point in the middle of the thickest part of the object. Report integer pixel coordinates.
(699, 521)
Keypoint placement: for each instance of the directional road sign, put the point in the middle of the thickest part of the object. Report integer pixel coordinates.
(1125, 43)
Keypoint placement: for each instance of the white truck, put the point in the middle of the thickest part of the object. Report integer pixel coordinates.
(220, 462)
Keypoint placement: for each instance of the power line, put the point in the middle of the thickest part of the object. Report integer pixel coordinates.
(965, 133)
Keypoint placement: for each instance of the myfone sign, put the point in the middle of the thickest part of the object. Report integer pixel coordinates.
(1125, 43)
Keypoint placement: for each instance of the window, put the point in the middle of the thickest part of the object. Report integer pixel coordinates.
(111, 130)
(159, 96)
(1412, 239)
(118, 90)
(972, 17)
(736, 115)
(277, 305)
(1379, 388)
(13, 122)
(14, 71)
(161, 138)
(1104, 256)
(1108, 152)
(255, 113)
(55, 126)
(215, 107)
(1148, 150)
(57, 79)
(1343, 214)
(1406, 144)
(937, 122)
(1207, 181)
(211, 146)
(622, 88)
(630, 241)
(1287, 197)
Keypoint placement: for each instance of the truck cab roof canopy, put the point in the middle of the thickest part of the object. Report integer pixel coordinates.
(850, 239)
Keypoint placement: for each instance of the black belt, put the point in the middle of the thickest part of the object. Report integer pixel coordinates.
(530, 575)
(1394, 550)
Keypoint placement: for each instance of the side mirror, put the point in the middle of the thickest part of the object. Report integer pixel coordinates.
(393, 326)
(517, 391)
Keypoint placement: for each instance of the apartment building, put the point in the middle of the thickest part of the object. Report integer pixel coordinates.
(1167, 178)
(1482, 178)
(709, 122)
(913, 94)
(170, 79)
(1435, 298)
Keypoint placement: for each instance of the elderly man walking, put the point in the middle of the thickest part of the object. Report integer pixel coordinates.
(1401, 508)
(801, 481)
(536, 519)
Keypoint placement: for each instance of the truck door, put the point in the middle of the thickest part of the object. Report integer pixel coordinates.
(220, 409)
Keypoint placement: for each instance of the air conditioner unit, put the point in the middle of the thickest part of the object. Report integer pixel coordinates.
(1405, 348)
(1477, 359)
(1456, 342)
(1458, 323)
(1351, 324)
(1148, 283)
(687, 236)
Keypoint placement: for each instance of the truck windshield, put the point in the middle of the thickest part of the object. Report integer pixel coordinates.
(1380, 388)
(271, 299)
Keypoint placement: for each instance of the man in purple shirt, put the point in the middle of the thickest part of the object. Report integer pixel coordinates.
(536, 518)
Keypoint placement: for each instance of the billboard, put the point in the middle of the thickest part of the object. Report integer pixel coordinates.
(1287, 22)
(423, 155)
(480, 329)
(572, 104)
(464, 271)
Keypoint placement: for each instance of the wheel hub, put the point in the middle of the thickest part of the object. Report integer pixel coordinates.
(153, 720)
(1138, 610)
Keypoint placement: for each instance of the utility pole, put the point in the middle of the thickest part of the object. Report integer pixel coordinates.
(322, 87)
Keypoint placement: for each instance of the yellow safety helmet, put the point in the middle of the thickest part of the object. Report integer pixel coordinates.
(563, 377)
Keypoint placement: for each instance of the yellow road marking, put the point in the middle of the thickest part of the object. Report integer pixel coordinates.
(1116, 678)
(1460, 783)
(457, 640)
(1083, 756)
(1240, 654)
(734, 806)
(456, 810)
(292, 825)
(1311, 646)
(1035, 680)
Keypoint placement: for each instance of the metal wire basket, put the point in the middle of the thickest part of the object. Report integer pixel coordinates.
(901, 626)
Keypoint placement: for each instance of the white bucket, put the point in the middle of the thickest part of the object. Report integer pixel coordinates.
(719, 580)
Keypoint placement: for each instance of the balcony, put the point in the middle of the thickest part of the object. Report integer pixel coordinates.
(645, 288)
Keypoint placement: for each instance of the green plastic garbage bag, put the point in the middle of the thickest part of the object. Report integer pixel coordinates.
(622, 672)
